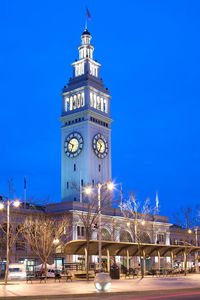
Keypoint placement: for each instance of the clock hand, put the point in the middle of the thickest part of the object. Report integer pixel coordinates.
(99, 146)
(71, 145)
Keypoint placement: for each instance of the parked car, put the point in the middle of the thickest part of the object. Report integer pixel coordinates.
(17, 272)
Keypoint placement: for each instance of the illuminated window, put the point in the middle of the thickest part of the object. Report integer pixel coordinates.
(78, 100)
(59, 249)
(66, 104)
(98, 103)
(105, 105)
(79, 69)
(74, 103)
(95, 101)
(70, 103)
(82, 99)
(160, 238)
(80, 231)
(101, 104)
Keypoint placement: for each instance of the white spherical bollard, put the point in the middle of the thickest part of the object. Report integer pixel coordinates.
(102, 282)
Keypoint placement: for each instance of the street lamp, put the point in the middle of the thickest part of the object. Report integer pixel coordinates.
(109, 185)
(189, 231)
(56, 241)
(196, 232)
(16, 204)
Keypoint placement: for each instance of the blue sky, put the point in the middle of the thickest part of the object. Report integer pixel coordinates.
(149, 51)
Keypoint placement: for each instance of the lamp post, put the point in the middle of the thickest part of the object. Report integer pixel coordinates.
(16, 204)
(110, 187)
(196, 234)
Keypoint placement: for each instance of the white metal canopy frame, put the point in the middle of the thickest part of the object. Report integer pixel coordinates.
(121, 248)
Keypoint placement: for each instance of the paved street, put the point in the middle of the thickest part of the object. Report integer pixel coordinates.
(165, 296)
(189, 288)
(187, 295)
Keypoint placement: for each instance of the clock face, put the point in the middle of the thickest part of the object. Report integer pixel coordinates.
(73, 144)
(100, 146)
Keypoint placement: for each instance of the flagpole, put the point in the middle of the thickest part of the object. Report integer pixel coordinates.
(25, 191)
(80, 189)
(86, 20)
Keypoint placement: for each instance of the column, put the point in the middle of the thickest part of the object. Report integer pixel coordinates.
(185, 262)
(127, 260)
(144, 262)
(172, 259)
(167, 241)
(159, 260)
(117, 238)
(196, 262)
(85, 259)
(108, 260)
(155, 237)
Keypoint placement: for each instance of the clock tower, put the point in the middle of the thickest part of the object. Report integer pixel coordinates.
(85, 126)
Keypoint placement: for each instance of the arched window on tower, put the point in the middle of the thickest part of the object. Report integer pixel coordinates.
(71, 104)
(66, 104)
(74, 102)
(95, 101)
(98, 103)
(105, 105)
(82, 99)
(78, 100)
(101, 104)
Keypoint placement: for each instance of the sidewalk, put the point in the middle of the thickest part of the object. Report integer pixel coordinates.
(81, 288)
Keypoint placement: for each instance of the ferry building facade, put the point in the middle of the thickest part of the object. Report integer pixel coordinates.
(86, 160)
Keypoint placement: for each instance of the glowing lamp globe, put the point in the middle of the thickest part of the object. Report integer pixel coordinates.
(110, 186)
(88, 190)
(102, 282)
(16, 203)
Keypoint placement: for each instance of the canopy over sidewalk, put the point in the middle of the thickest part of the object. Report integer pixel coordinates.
(120, 248)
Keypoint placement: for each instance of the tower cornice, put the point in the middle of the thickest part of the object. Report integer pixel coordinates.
(86, 80)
